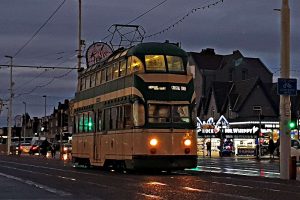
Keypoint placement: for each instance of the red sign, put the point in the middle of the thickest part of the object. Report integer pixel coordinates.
(96, 52)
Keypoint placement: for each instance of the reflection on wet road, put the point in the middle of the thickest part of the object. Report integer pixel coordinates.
(247, 167)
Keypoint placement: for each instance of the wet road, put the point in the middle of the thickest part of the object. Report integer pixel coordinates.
(29, 177)
(242, 166)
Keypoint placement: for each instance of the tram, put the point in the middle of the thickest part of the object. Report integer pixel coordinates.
(134, 109)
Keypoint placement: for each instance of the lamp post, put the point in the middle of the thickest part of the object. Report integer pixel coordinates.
(10, 106)
(285, 102)
(45, 96)
(25, 123)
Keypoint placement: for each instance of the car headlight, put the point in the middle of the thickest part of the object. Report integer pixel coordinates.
(153, 142)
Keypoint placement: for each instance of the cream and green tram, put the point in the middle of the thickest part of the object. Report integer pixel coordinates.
(134, 109)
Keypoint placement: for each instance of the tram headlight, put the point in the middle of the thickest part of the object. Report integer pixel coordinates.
(187, 142)
(153, 142)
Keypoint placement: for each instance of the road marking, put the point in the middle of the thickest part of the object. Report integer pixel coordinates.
(194, 189)
(40, 186)
(150, 196)
(156, 183)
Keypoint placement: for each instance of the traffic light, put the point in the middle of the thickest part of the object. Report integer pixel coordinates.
(292, 125)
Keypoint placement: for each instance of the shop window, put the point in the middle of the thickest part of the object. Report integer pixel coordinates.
(155, 63)
(175, 64)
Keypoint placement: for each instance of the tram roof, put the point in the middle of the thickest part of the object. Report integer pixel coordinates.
(155, 48)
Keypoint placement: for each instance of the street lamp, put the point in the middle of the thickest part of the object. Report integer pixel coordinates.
(45, 96)
(10, 106)
(25, 123)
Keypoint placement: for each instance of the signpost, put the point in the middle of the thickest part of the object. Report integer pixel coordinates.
(287, 86)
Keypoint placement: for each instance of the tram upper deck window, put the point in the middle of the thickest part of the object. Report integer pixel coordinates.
(122, 68)
(103, 76)
(159, 113)
(93, 80)
(87, 82)
(98, 77)
(115, 70)
(175, 64)
(134, 64)
(155, 63)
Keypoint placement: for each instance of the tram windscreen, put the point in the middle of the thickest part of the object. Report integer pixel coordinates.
(159, 113)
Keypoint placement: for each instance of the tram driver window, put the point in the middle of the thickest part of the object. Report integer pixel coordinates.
(138, 114)
(180, 114)
(155, 63)
(159, 113)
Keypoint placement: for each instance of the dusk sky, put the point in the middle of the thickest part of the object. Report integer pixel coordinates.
(251, 26)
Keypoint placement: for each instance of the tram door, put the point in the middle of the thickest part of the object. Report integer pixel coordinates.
(97, 147)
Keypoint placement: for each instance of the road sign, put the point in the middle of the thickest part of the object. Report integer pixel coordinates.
(287, 86)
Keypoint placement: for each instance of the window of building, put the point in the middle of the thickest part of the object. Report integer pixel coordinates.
(155, 63)
(175, 64)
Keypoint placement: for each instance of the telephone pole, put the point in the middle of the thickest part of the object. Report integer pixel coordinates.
(10, 106)
(285, 102)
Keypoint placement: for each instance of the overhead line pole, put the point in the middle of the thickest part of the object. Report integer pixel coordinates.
(79, 38)
(285, 102)
(10, 106)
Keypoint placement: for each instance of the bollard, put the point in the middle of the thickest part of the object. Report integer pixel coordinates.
(293, 168)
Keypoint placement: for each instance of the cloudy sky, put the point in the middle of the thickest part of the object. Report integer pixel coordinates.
(251, 26)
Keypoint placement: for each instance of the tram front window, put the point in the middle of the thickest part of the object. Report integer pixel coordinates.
(168, 113)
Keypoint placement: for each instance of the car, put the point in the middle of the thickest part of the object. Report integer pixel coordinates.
(25, 147)
(35, 147)
(295, 149)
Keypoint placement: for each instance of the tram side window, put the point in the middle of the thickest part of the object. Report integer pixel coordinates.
(122, 68)
(134, 64)
(127, 116)
(120, 119)
(106, 118)
(76, 123)
(138, 114)
(103, 76)
(91, 124)
(109, 73)
(93, 80)
(115, 71)
(155, 63)
(99, 125)
(87, 82)
(85, 122)
(159, 113)
(180, 114)
(175, 64)
(113, 118)
(81, 120)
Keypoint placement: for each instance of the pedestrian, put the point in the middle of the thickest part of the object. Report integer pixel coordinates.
(44, 147)
(53, 150)
(208, 147)
(271, 147)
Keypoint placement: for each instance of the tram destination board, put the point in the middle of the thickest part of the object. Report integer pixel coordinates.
(287, 86)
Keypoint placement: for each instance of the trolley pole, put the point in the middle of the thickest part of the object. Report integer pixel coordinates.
(24, 134)
(10, 106)
(285, 103)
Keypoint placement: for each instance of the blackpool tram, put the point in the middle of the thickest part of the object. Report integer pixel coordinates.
(134, 109)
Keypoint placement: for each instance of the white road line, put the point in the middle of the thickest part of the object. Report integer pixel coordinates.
(40, 186)
(150, 196)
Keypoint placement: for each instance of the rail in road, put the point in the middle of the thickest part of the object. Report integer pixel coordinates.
(33, 177)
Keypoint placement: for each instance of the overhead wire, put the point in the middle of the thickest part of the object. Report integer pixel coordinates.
(183, 18)
(40, 28)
